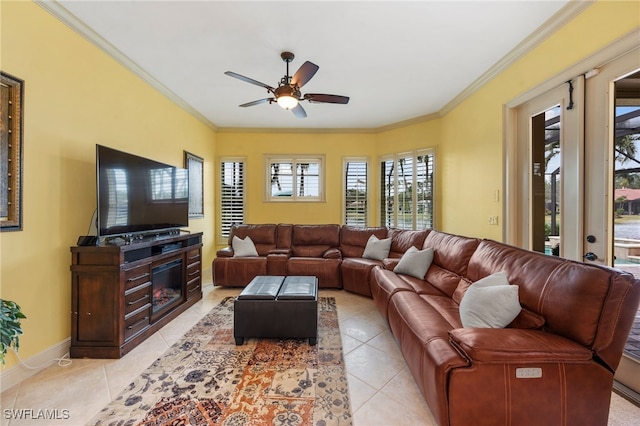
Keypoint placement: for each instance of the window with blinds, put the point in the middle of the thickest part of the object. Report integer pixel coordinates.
(387, 193)
(355, 192)
(231, 194)
(424, 190)
(406, 190)
(294, 179)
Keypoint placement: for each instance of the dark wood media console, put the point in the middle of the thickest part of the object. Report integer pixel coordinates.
(122, 294)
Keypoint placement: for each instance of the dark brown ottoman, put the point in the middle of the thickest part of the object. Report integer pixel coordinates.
(277, 307)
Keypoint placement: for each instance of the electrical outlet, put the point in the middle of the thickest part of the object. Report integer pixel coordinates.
(493, 220)
(496, 195)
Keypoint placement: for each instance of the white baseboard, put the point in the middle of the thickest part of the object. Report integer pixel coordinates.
(16, 374)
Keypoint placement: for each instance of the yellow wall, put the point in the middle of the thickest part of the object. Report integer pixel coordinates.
(254, 145)
(76, 96)
(469, 155)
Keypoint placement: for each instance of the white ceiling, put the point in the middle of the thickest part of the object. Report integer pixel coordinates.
(396, 60)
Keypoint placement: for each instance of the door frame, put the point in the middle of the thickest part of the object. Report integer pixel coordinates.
(510, 180)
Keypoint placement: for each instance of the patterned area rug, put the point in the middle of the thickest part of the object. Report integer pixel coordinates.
(205, 379)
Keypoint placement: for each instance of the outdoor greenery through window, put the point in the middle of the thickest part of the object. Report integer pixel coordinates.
(406, 190)
(231, 194)
(355, 192)
(295, 179)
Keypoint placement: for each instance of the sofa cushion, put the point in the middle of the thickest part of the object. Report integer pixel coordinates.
(262, 235)
(243, 247)
(314, 240)
(415, 262)
(377, 249)
(527, 320)
(353, 239)
(452, 251)
(490, 303)
(402, 239)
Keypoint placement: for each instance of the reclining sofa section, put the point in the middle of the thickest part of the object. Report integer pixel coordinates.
(553, 364)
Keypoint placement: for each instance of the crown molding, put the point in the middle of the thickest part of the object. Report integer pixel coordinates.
(300, 130)
(70, 20)
(568, 12)
(404, 123)
(572, 9)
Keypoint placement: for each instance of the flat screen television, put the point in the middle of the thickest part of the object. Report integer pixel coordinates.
(137, 195)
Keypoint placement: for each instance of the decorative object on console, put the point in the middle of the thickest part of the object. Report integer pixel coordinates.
(205, 379)
(415, 262)
(490, 302)
(376, 248)
(243, 247)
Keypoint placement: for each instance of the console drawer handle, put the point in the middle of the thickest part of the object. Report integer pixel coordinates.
(197, 256)
(146, 296)
(196, 288)
(143, 320)
(145, 275)
(193, 273)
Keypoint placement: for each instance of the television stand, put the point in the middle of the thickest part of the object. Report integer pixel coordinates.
(123, 293)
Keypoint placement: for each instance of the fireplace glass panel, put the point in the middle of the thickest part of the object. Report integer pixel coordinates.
(167, 284)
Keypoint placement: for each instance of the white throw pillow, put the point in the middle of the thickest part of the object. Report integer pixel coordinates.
(490, 303)
(415, 262)
(376, 248)
(243, 248)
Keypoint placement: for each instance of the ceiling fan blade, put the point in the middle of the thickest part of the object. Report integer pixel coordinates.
(299, 112)
(258, 102)
(249, 80)
(328, 99)
(304, 73)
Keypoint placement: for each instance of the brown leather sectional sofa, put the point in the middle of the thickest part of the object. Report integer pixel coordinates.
(553, 364)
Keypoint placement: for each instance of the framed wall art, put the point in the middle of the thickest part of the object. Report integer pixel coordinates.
(195, 166)
(11, 119)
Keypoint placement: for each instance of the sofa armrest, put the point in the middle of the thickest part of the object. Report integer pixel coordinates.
(225, 252)
(332, 253)
(390, 263)
(280, 252)
(508, 345)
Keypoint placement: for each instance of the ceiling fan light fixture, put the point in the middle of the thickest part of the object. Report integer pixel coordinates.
(287, 102)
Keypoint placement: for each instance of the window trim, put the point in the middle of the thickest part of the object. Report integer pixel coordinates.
(294, 160)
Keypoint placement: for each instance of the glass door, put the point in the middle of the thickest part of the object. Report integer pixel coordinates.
(614, 128)
(549, 171)
(573, 178)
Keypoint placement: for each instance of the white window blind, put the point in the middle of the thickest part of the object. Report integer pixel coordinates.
(355, 193)
(406, 190)
(387, 193)
(231, 195)
(404, 193)
(424, 190)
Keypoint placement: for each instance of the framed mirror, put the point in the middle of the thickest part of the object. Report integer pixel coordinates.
(195, 166)
(11, 119)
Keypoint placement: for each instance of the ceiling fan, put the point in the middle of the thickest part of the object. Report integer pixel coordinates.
(287, 94)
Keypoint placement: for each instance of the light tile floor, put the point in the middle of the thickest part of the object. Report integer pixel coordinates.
(382, 389)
